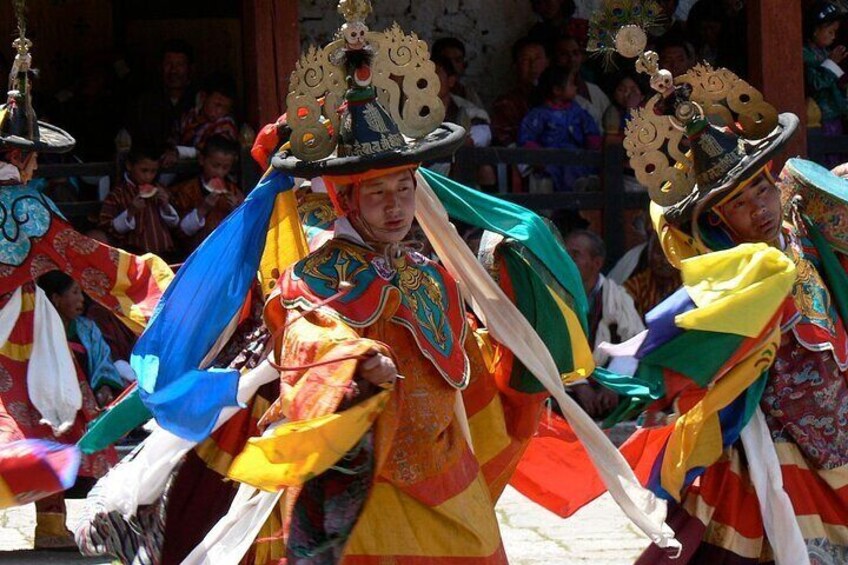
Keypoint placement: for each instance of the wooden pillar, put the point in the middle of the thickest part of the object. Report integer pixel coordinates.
(272, 47)
(775, 63)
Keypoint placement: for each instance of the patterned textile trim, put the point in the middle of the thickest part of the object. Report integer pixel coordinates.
(725, 507)
(138, 541)
(789, 454)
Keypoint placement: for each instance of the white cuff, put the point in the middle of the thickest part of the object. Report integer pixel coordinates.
(481, 135)
(830, 65)
(123, 223)
(169, 216)
(192, 223)
(186, 152)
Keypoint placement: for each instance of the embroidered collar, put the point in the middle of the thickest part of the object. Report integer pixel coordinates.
(412, 292)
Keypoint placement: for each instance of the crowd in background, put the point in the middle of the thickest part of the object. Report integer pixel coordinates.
(561, 97)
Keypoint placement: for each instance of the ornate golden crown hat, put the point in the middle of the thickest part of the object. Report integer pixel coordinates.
(366, 100)
(702, 132)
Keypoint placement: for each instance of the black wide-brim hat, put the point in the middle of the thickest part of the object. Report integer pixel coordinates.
(49, 139)
(441, 143)
(758, 153)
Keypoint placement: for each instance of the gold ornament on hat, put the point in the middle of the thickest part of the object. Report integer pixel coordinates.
(355, 10)
(655, 136)
(658, 154)
(405, 78)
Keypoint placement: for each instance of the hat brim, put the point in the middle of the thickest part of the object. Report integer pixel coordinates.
(51, 139)
(759, 152)
(441, 143)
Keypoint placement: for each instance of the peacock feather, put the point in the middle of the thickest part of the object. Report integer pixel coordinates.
(616, 14)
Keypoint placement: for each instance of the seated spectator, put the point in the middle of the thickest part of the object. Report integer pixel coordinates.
(459, 110)
(462, 112)
(453, 50)
(530, 60)
(612, 316)
(118, 336)
(656, 282)
(154, 112)
(204, 201)
(570, 55)
(137, 213)
(560, 123)
(676, 54)
(211, 116)
(90, 351)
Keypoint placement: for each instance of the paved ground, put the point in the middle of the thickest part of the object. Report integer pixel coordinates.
(599, 534)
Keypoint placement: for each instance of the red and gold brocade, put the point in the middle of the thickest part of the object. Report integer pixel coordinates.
(427, 477)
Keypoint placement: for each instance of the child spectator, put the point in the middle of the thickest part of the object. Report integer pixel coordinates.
(204, 201)
(211, 116)
(562, 124)
(824, 78)
(137, 213)
(453, 50)
(570, 55)
(530, 60)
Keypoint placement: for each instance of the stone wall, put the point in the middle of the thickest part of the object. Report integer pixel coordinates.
(488, 28)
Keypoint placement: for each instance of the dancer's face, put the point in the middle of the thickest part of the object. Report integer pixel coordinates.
(387, 206)
(755, 214)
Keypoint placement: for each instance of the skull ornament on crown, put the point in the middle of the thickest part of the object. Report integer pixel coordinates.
(354, 35)
(663, 82)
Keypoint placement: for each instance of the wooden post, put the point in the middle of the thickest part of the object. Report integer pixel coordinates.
(272, 47)
(775, 61)
(612, 178)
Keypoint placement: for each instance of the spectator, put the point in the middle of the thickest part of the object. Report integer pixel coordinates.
(656, 282)
(459, 110)
(824, 78)
(530, 61)
(154, 113)
(560, 123)
(570, 55)
(554, 21)
(627, 95)
(137, 213)
(212, 115)
(462, 112)
(612, 315)
(676, 54)
(94, 371)
(204, 201)
(90, 351)
(705, 23)
(453, 50)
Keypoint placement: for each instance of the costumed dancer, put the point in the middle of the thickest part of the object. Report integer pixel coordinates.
(44, 392)
(750, 440)
(399, 419)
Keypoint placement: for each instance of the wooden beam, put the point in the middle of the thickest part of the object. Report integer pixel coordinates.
(775, 61)
(272, 47)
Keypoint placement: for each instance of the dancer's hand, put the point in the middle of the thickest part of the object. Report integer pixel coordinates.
(377, 369)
